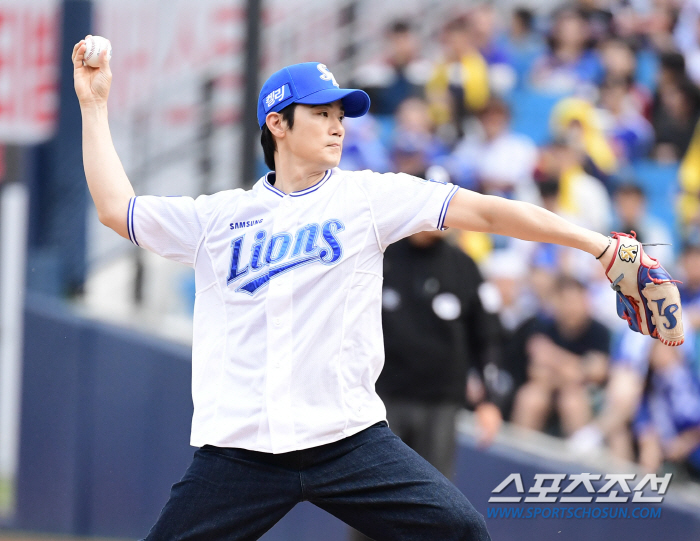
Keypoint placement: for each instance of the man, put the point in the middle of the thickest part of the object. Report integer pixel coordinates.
(568, 357)
(287, 320)
(402, 74)
(434, 328)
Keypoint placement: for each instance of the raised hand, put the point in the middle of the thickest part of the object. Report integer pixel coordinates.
(91, 84)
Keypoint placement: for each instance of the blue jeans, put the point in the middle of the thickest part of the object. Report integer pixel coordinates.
(371, 481)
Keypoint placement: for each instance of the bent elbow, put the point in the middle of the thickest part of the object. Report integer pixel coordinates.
(105, 218)
(111, 220)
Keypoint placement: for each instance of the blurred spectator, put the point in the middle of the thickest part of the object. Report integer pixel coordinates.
(568, 360)
(579, 125)
(687, 37)
(459, 85)
(685, 33)
(690, 293)
(628, 372)
(522, 43)
(668, 421)
(434, 328)
(400, 75)
(659, 24)
(599, 18)
(674, 115)
(671, 69)
(620, 64)
(507, 294)
(415, 146)
(493, 159)
(483, 22)
(506, 291)
(571, 64)
(579, 197)
(689, 178)
(631, 215)
(629, 132)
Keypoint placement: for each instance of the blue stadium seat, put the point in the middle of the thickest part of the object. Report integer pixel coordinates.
(530, 113)
(386, 125)
(660, 183)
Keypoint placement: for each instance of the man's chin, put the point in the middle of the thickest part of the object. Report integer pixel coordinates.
(331, 159)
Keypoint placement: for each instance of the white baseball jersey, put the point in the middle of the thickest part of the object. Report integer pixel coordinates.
(287, 339)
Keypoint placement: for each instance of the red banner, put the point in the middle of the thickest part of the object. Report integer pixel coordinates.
(28, 69)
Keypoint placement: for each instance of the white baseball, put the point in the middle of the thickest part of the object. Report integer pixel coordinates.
(94, 45)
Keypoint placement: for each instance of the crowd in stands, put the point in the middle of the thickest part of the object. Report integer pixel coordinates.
(591, 111)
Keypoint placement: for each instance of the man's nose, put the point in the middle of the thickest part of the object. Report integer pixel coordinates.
(337, 128)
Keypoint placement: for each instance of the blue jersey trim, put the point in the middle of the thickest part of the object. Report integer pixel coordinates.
(445, 205)
(305, 191)
(315, 187)
(130, 221)
(270, 187)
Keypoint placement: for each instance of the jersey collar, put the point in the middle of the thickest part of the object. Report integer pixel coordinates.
(310, 189)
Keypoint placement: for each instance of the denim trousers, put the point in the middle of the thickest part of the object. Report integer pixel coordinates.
(371, 481)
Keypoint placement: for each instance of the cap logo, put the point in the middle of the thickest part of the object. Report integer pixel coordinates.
(276, 96)
(327, 75)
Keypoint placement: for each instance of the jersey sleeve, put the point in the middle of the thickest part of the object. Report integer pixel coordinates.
(171, 227)
(403, 205)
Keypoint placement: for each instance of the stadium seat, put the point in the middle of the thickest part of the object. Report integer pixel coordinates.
(530, 113)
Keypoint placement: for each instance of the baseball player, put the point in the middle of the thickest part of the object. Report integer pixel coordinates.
(287, 321)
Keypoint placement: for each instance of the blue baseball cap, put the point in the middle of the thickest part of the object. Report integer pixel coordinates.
(310, 83)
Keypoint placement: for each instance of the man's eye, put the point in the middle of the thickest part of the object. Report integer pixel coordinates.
(342, 118)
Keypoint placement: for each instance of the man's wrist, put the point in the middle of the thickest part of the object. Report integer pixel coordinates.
(597, 244)
(92, 107)
(93, 111)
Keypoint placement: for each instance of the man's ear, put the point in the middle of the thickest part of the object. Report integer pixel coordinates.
(276, 124)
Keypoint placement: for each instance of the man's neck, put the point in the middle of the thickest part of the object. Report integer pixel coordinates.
(293, 178)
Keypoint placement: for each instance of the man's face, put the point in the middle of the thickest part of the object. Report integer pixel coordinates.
(402, 48)
(571, 307)
(629, 206)
(317, 135)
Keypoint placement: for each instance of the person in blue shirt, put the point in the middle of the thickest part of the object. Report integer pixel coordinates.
(667, 423)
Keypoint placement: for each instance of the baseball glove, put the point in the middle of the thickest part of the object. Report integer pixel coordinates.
(647, 297)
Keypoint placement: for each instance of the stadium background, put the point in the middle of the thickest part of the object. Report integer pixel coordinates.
(94, 334)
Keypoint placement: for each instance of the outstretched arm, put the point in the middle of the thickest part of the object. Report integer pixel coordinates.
(109, 186)
(472, 211)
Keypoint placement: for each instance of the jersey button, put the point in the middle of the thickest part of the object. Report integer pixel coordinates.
(277, 322)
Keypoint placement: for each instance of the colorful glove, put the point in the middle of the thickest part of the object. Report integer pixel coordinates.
(647, 297)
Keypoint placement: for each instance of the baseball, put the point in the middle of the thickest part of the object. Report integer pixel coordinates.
(94, 47)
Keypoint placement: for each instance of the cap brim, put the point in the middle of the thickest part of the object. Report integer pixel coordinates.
(355, 102)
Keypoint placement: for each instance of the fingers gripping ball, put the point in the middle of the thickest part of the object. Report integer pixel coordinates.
(94, 45)
(647, 296)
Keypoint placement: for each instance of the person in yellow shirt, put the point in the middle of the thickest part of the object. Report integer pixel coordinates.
(459, 85)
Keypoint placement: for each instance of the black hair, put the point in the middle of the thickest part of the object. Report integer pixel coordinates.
(525, 16)
(569, 11)
(673, 62)
(267, 140)
(630, 188)
(566, 281)
(400, 26)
